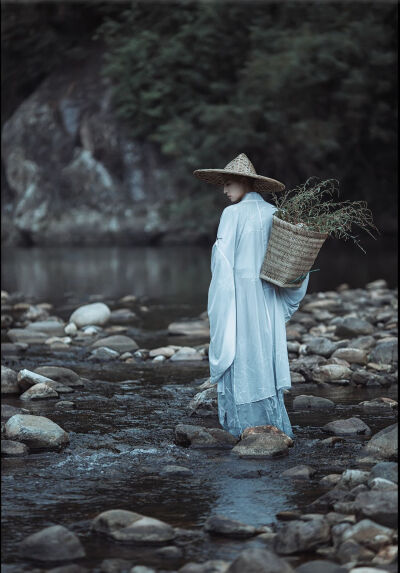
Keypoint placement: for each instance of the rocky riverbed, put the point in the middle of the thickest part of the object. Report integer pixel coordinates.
(114, 461)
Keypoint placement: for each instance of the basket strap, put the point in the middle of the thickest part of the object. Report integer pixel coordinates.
(302, 277)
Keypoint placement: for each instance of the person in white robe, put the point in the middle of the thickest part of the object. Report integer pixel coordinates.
(248, 353)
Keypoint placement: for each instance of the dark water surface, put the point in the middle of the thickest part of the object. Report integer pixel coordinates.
(173, 273)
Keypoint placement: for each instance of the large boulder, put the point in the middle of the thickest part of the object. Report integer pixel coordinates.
(54, 543)
(94, 313)
(131, 527)
(36, 432)
(381, 506)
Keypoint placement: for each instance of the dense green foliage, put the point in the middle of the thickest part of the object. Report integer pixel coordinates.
(304, 89)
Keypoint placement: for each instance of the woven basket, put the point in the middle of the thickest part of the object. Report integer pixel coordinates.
(291, 253)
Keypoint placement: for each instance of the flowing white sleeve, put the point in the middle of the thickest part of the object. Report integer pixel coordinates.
(221, 306)
(292, 297)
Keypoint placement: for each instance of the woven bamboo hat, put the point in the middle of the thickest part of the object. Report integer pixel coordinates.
(241, 165)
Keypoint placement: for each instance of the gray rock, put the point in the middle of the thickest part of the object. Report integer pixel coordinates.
(122, 316)
(369, 534)
(39, 391)
(255, 560)
(72, 568)
(351, 355)
(9, 383)
(199, 437)
(118, 342)
(35, 431)
(298, 535)
(190, 328)
(385, 470)
(351, 551)
(363, 342)
(331, 373)
(64, 405)
(50, 327)
(179, 471)
(27, 335)
(12, 448)
(381, 484)
(263, 442)
(351, 478)
(352, 327)
(186, 353)
(205, 403)
(115, 565)
(212, 566)
(383, 445)
(60, 374)
(94, 313)
(305, 402)
(348, 427)
(301, 471)
(54, 543)
(221, 525)
(26, 379)
(103, 353)
(381, 506)
(379, 404)
(321, 345)
(131, 527)
(385, 352)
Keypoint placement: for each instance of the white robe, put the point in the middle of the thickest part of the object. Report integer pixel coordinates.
(247, 314)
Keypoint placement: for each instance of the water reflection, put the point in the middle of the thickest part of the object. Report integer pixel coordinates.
(172, 273)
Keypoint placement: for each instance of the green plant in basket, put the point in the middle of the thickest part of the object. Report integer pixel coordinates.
(311, 206)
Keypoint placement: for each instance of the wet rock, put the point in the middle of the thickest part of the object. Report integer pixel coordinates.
(72, 568)
(35, 431)
(115, 565)
(365, 378)
(305, 365)
(60, 374)
(50, 327)
(332, 441)
(87, 314)
(159, 358)
(382, 446)
(9, 383)
(197, 436)
(166, 351)
(71, 329)
(175, 471)
(352, 327)
(104, 354)
(142, 569)
(369, 534)
(12, 448)
(169, 552)
(288, 515)
(380, 506)
(255, 560)
(319, 566)
(348, 427)
(301, 471)
(306, 402)
(351, 355)
(205, 403)
(186, 353)
(131, 527)
(331, 373)
(190, 328)
(220, 525)
(299, 535)
(381, 404)
(64, 405)
(330, 480)
(54, 543)
(296, 378)
(381, 483)
(385, 352)
(26, 379)
(351, 478)
(7, 411)
(263, 442)
(212, 566)
(39, 391)
(385, 470)
(118, 342)
(386, 555)
(330, 499)
(321, 345)
(122, 316)
(27, 335)
(351, 551)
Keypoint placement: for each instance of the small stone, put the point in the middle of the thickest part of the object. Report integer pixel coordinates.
(296, 536)
(118, 342)
(369, 534)
(166, 351)
(104, 354)
(351, 355)
(60, 374)
(255, 560)
(331, 373)
(351, 478)
(381, 483)
(39, 391)
(87, 314)
(330, 480)
(382, 446)
(352, 327)
(299, 472)
(221, 525)
(175, 471)
(190, 327)
(385, 470)
(131, 527)
(385, 352)
(12, 448)
(305, 402)
(186, 353)
(9, 382)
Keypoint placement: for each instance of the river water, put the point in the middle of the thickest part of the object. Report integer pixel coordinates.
(122, 429)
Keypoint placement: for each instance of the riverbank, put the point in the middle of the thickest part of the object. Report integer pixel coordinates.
(137, 431)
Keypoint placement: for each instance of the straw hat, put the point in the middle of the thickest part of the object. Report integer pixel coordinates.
(241, 165)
